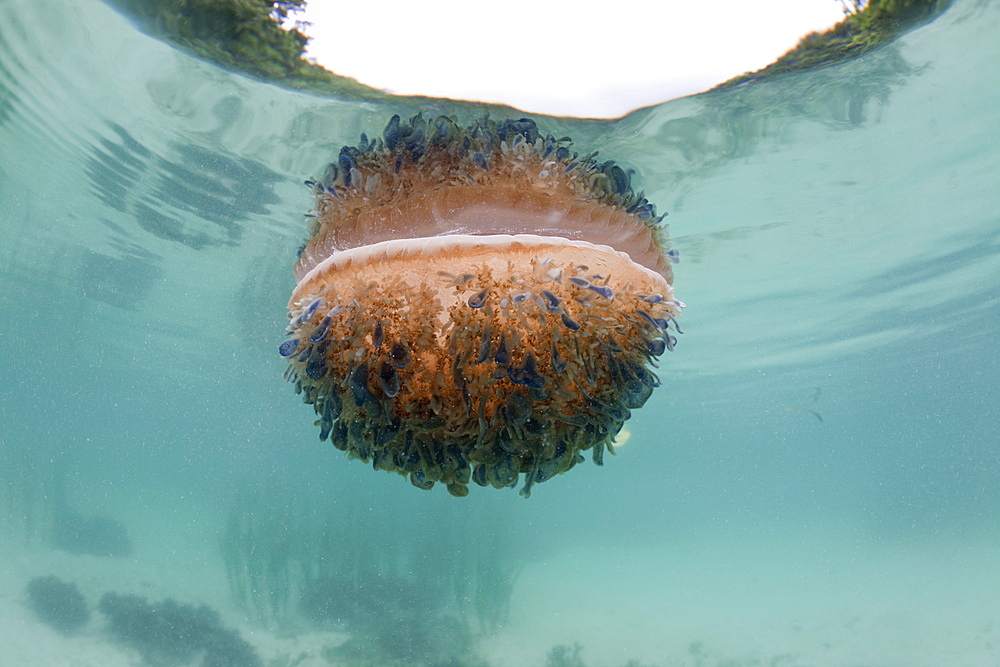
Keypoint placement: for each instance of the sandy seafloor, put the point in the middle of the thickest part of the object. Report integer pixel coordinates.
(699, 604)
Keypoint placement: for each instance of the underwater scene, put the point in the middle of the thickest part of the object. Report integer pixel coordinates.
(299, 379)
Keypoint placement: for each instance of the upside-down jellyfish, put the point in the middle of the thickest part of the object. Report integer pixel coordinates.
(477, 303)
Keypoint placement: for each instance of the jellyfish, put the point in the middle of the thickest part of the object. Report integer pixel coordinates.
(477, 303)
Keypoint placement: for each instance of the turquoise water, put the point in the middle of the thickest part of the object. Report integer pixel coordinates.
(816, 483)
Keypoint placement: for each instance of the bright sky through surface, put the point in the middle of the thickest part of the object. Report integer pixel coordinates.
(567, 58)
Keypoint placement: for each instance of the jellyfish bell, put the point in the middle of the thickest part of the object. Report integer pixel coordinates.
(477, 304)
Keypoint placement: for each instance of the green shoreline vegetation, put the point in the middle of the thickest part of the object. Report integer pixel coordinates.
(246, 36)
(866, 26)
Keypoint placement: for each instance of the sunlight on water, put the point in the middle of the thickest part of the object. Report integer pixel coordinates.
(816, 483)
